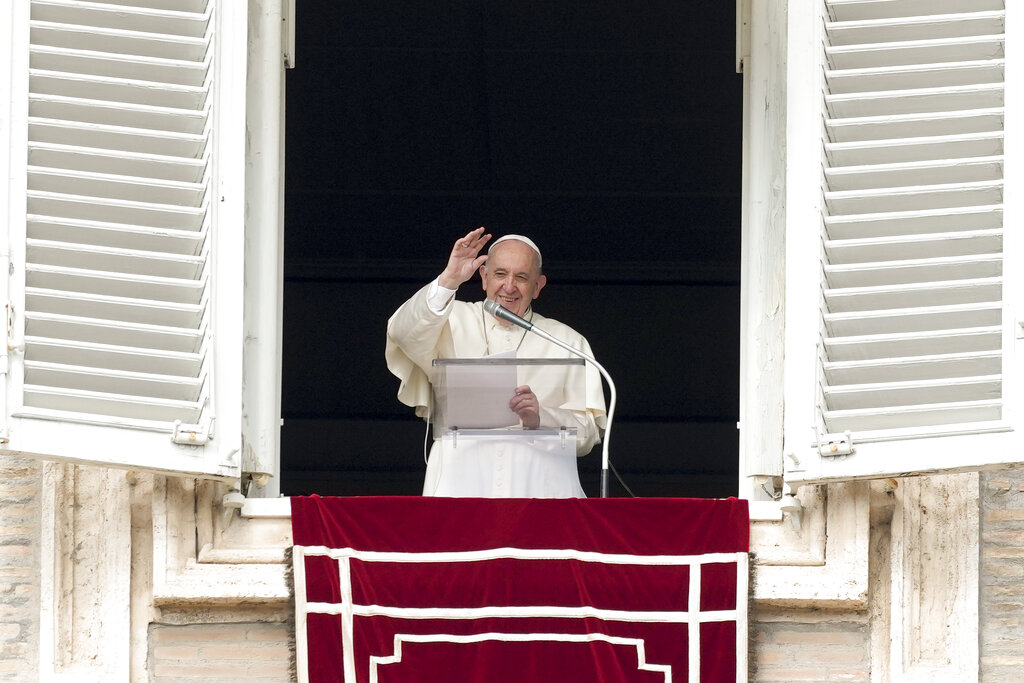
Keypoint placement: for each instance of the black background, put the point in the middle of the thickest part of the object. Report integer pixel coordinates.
(609, 132)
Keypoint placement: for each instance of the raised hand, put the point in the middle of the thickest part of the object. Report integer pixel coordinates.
(465, 259)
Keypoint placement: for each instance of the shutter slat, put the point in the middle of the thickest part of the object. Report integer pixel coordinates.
(906, 247)
(75, 328)
(110, 186)
(111, 382)
(121, 90)
(914, 76)
(916, 101)
(913, 295)
(889, 126)
(113, 357)
(854, 10)
(877, 346)
(889, 175)
(889, 29)
(115, 308)
(127, 261)
(924, 221)
(913, 271)
(87, 282)
(911, 368)
(960, 49)
(65, 403)
(162, 46)
(893, 394)
(918, 319)
(117, 138)
(121, 17)
(173, 72)
(901, 418)
(903, 150)
(105, 113)
(111, 163)
(914, 198)
(100, 234)
(117, 211)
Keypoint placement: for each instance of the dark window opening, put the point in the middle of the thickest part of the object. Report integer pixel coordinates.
(607, 131)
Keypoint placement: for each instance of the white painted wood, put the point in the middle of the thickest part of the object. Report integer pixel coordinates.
(949, 50)
(964, 364)
(851, 10)
(913, 334)
(896, 126)
(986, 143)
(958, 22)
(762, 295)
(124, 320)
(264, 255)
(912, 344)
(1013, 246)
(804, 161)
(909, 247)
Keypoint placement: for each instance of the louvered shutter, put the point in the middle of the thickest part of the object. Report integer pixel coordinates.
(125, 289)
(914, 345)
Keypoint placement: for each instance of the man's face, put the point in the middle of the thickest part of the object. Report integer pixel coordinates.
(511, 276)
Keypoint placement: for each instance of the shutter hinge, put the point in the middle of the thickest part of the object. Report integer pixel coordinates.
(192, 435)
(10, 344)
(835, 444)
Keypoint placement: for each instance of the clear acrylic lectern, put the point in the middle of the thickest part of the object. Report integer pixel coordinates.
(480, 434)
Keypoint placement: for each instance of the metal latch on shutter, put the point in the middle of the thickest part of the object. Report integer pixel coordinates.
(191, 435)
(835, 444)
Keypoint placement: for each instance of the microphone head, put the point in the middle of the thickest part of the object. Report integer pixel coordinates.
(499, 311)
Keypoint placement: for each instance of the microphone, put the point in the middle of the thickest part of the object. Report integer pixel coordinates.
(499, 311)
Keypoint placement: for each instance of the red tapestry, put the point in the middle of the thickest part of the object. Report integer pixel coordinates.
(513, 590)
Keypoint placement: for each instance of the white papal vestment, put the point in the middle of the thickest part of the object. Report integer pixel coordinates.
(417, 334)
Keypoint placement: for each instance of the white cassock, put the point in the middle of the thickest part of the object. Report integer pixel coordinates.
(505, 468)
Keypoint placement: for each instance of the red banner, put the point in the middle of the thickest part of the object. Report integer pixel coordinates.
(468, 589)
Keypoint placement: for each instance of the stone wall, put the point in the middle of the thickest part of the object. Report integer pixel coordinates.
(1002, 576)
(221, 652)
(810, 645)
(19, 569)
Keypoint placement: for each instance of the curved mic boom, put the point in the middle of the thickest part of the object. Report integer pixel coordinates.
(498, 311)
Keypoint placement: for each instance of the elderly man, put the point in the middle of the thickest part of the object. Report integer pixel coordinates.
(433, 324)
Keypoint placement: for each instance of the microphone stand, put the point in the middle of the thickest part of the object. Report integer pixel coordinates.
(495, 309)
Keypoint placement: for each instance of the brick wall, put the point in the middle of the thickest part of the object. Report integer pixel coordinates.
(19, 569)
(1001, 591)
(809, 645)
(219, 653)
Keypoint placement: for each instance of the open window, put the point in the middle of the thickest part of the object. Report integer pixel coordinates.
(902, 281)
(125, 234)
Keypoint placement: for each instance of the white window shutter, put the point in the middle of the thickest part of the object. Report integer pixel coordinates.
(905, 336)
(126, 236)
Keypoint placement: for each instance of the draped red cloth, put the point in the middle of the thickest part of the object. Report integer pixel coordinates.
(468, 589)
